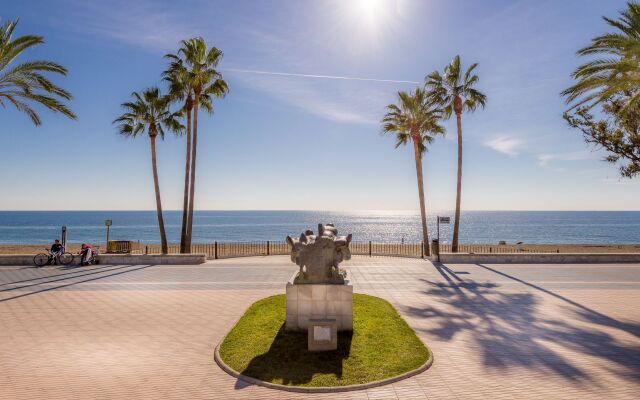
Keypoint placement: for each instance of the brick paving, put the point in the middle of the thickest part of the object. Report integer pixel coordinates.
(149, 332)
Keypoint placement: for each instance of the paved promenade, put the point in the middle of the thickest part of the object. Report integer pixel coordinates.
(149, 332)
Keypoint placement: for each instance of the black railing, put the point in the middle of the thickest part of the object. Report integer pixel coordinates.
(217, 250)
(370, 248)
(503, 249)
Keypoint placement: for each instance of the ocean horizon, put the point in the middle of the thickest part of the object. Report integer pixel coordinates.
(561, 227)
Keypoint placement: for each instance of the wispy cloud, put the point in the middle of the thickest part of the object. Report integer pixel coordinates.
(350, 102)
(509, 145)
(138, 23)
(267, 56)
(544, 159)
(340, 98)
(348, 78)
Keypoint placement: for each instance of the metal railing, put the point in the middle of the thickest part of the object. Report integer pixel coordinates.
(387, 249)
(513, 248)
(495, 249)
(217, 250)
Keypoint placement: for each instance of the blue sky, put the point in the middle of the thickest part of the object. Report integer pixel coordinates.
(309, 81)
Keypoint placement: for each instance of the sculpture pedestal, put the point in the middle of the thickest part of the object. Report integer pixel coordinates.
(319, 301)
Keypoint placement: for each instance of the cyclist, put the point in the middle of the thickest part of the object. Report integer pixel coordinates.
(56, 250)
(86, 252)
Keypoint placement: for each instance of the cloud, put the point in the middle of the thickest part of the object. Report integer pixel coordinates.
(509, 145)
(544, 159)
(350, 102)
(268, 54)
(347, 78)
(138, 23)
(341, 98)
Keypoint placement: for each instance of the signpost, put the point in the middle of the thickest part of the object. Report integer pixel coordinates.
(108, 224)
(63, 237)
(441, 220)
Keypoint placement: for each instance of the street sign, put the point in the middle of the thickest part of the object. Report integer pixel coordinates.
(441, 220)
(108, 222)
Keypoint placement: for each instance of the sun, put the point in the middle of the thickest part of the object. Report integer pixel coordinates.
(364, 25)
(369, 11)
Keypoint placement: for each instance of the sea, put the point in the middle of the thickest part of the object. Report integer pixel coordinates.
(594, 227)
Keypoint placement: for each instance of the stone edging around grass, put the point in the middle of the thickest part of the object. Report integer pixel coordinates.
(323, 389)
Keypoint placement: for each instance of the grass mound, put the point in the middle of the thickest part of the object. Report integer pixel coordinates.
(382, 346)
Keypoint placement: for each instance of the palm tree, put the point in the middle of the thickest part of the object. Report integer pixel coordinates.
(455, 93)
(25, 83)
(150, 111)
(617, 70)
(415, 118)
(206, 83)
(180, 91)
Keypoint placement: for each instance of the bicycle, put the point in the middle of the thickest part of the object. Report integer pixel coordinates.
(92, 259)
(43, 259)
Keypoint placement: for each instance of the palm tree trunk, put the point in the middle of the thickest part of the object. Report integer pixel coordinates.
(194, 145)
(423, 212)
(156, 185)
(456, 221)
(185, 203)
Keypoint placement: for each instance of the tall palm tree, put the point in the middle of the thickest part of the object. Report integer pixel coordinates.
(617, 70)
(415, 119)
(180, 91)
(456, 93)
(25, 83)
(206, 83)
(150, 111)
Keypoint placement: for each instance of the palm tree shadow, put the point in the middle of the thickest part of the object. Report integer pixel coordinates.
(288, 361)
(36, 288)
(510, 331)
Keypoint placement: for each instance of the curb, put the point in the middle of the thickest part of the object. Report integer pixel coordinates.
(320, 389)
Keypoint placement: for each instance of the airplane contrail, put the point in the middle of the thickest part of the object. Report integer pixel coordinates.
(346, 78)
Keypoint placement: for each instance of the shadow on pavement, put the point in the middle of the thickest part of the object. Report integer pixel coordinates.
(289, 360)
(76, 270)
(510, 330)
(64, 285)
(588, 313)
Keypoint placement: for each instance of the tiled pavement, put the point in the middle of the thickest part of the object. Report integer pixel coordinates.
(148, 332)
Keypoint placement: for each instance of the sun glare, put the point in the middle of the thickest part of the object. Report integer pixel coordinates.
(370, 10)
(366, 24)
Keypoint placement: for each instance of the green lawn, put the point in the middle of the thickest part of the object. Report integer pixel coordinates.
(382, 346)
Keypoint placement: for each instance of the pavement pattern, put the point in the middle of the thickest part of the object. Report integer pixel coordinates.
(149, 332)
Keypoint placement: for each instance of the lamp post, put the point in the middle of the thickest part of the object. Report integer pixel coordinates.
(108, 224)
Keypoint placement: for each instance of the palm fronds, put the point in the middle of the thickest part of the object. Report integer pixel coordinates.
(201, 64)
(454, 91)
(616, 70)
(149, 111)
(415, 117)
(25, 83)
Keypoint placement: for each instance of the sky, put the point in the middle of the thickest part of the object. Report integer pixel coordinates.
(300, 127)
